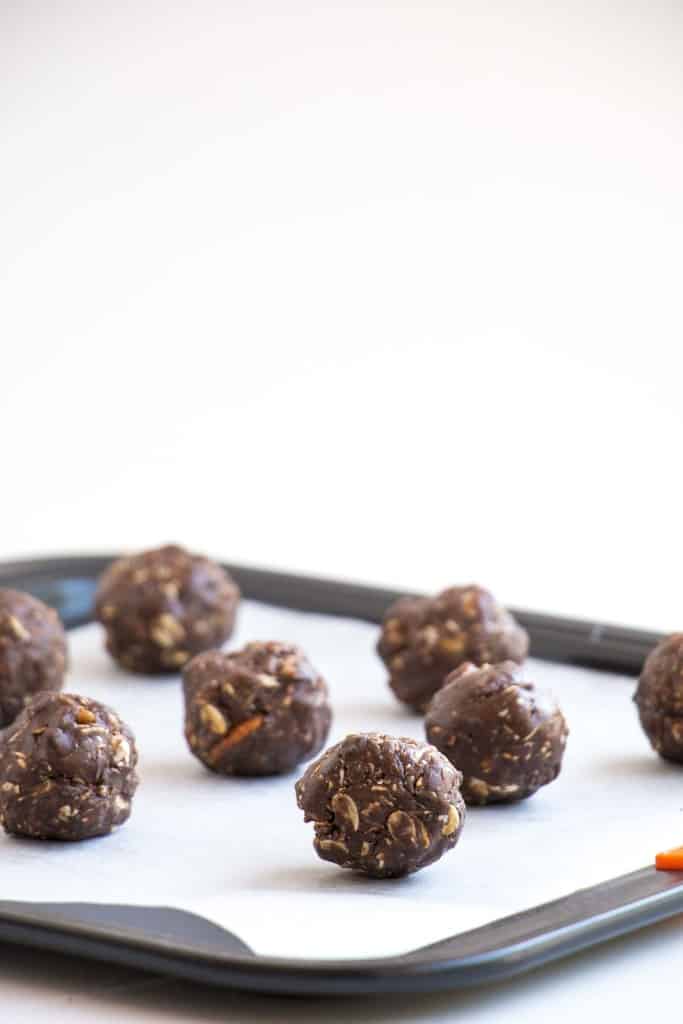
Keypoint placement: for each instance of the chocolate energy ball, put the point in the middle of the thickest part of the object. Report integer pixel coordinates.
(32, 651)
(258, 711)
(659, 697)
(423, 639)
(161, 607)
(67, 769)
(506, 737)
(383, 805)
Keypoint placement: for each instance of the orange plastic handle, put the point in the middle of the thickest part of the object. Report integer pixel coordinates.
(670, 860)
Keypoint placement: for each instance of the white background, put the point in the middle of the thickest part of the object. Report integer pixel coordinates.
(389, 291)
(383, 290)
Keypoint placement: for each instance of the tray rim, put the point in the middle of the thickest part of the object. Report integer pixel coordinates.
(594, 643)
(603, 646)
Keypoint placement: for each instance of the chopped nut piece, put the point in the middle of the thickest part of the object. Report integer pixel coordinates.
(429, 636)
(452, 821)
(345, 811)
(469, 601)
(289, 668)
(402, 826)
(393, 633)
(424, 834)
(121, 751)
(333, 846)
(174, 658)
(166, 631)
(266, 680)
(479, 788)
(213, 719)
(452, 644)
(43, 788)
(20, 631)
(84, 716)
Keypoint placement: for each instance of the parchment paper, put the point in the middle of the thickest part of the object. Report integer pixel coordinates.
(237, 850)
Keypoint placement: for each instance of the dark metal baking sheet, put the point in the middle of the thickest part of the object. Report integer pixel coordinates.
(185, 945)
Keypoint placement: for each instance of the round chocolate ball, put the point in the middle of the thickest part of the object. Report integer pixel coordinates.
(423, 639)
(161, 607)
(67, 769)
(259, 711)
(383, 805)
(32, 651)
(506, 737)
(659, 698)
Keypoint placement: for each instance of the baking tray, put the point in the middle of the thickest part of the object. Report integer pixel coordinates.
(182, 944)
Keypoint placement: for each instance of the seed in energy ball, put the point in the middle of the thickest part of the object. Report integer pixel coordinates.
(32, 651)
(67, 769)
(383, 805)
(423, 639)
(161, 607)
(659, 698)
(259, 711)
(506, 737)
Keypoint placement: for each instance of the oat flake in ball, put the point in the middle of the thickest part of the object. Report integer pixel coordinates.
(383, 805)
(161, 607)
(659, 698)
(424, 638)
(32, 651)
(67, 769)
(505, 736)
(259, 711)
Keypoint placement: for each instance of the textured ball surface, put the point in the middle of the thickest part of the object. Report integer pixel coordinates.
(67, 769)
(659, 698)
(383, 805)
(505, 736)
(259, 711)
(32, 651)
(161, 607)
(424, 638)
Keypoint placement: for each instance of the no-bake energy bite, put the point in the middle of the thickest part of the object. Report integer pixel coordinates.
(67, 769)
(423, 639)
(659, 698)
(258, 711)
(162, 607)
(32, 651)
(383, 805)
(505, 736)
